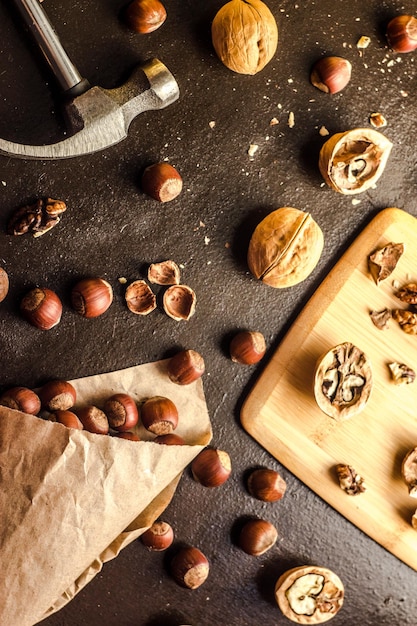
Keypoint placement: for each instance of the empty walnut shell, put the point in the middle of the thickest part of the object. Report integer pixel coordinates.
(140, 298)
(244, 35)
(309, 594)
(285, 247)
(353, 161)
(343, 381)
(179, 302)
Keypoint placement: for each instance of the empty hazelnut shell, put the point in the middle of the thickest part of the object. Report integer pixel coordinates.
(179, 302)
(164, 273)
(140, 298)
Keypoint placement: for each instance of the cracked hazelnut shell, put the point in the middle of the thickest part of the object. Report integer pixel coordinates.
(140, 298)
(285, 247)
(179, 302)
(164, 273)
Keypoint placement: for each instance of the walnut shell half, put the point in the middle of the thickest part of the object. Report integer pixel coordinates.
(309, 594)
(285, 247)
(353, 161)
(244, 35)
(343, 381)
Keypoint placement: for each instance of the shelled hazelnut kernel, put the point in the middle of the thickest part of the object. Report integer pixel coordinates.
(145, 16)
(158, 537)
(42, 308)
(211, 467)
(257, 536)
(266, 485)
(185, 367)
(93, 419)
(159, 415)
(402, 33)
(21, 399)
(91, 297)
(161, 181)
(68, 419)
(190, 567)
(57, 395)
(247, 347)
(121, 411)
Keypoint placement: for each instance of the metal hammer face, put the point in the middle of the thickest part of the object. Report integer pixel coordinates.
(98, 118)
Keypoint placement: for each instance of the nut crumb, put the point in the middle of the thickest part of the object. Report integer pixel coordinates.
(253, 149)
(274, 122)
(377, 120)
(291, 120)
(401, 373)
(363, 42)
(212, 124)
(323, 131)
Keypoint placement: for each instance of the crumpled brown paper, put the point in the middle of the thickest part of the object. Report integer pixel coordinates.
(71, 500)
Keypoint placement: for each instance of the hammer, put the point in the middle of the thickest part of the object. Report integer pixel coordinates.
(97, 118)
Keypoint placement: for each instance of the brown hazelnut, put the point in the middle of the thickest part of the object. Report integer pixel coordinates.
(68, 419)
(257, 536)
(402, 33)
(42, 308)
(211, 467)
(331, 74)
(171, 439)
(57, 395)
(94, 420)
(140, 298)
(190, 567)
(21, 399)
(121, 411)
(158, 537)
(161, 181)
(127, 435)
(185, 367)
(247, 347)
(266, 485)
(159, 415)
(91, 297)
(4, 284)
(179, 302)
(145, 16)
(164, 273)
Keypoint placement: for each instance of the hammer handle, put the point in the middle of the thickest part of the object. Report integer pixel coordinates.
(44, 34)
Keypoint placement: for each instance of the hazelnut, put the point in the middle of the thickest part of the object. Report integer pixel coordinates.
(127, 435)
(402, 33)
(91, 297)
(57, 395)
(285, 247)
(190, 567)
(68, 419)
(94, 420)
(185, 367)
(179, 302)
(121, 411)
(257, 536)
(42, 308)
(158, 537)
(161, 181)
(21, 399)
(211, 467)
(140, 298)
(331, 74)
(4, 284)
(159, 415)
(266, 485)
(171, 439)
(145, 16)
(247, 347)
(164, 273)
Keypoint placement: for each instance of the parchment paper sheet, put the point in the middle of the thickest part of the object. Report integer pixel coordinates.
(71, 500)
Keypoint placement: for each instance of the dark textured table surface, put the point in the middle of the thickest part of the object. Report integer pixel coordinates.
(112, 229)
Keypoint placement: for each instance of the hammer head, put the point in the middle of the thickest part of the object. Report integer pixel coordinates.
(100, 118)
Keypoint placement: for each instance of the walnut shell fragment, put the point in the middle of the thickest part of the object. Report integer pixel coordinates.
(179, 302)
(164, 273)
(285, 247)
(401, 373)
(244, 35)
(140, 298)
(309, 594)
(349, 480)
(381, 318)
(343, 381)
(353, 161)
(409, 472)
(383, 261)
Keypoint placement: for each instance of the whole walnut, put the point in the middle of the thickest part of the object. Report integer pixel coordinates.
(285, 247)
(244, 35)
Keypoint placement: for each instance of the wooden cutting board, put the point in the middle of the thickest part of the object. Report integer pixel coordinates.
(280, 412)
